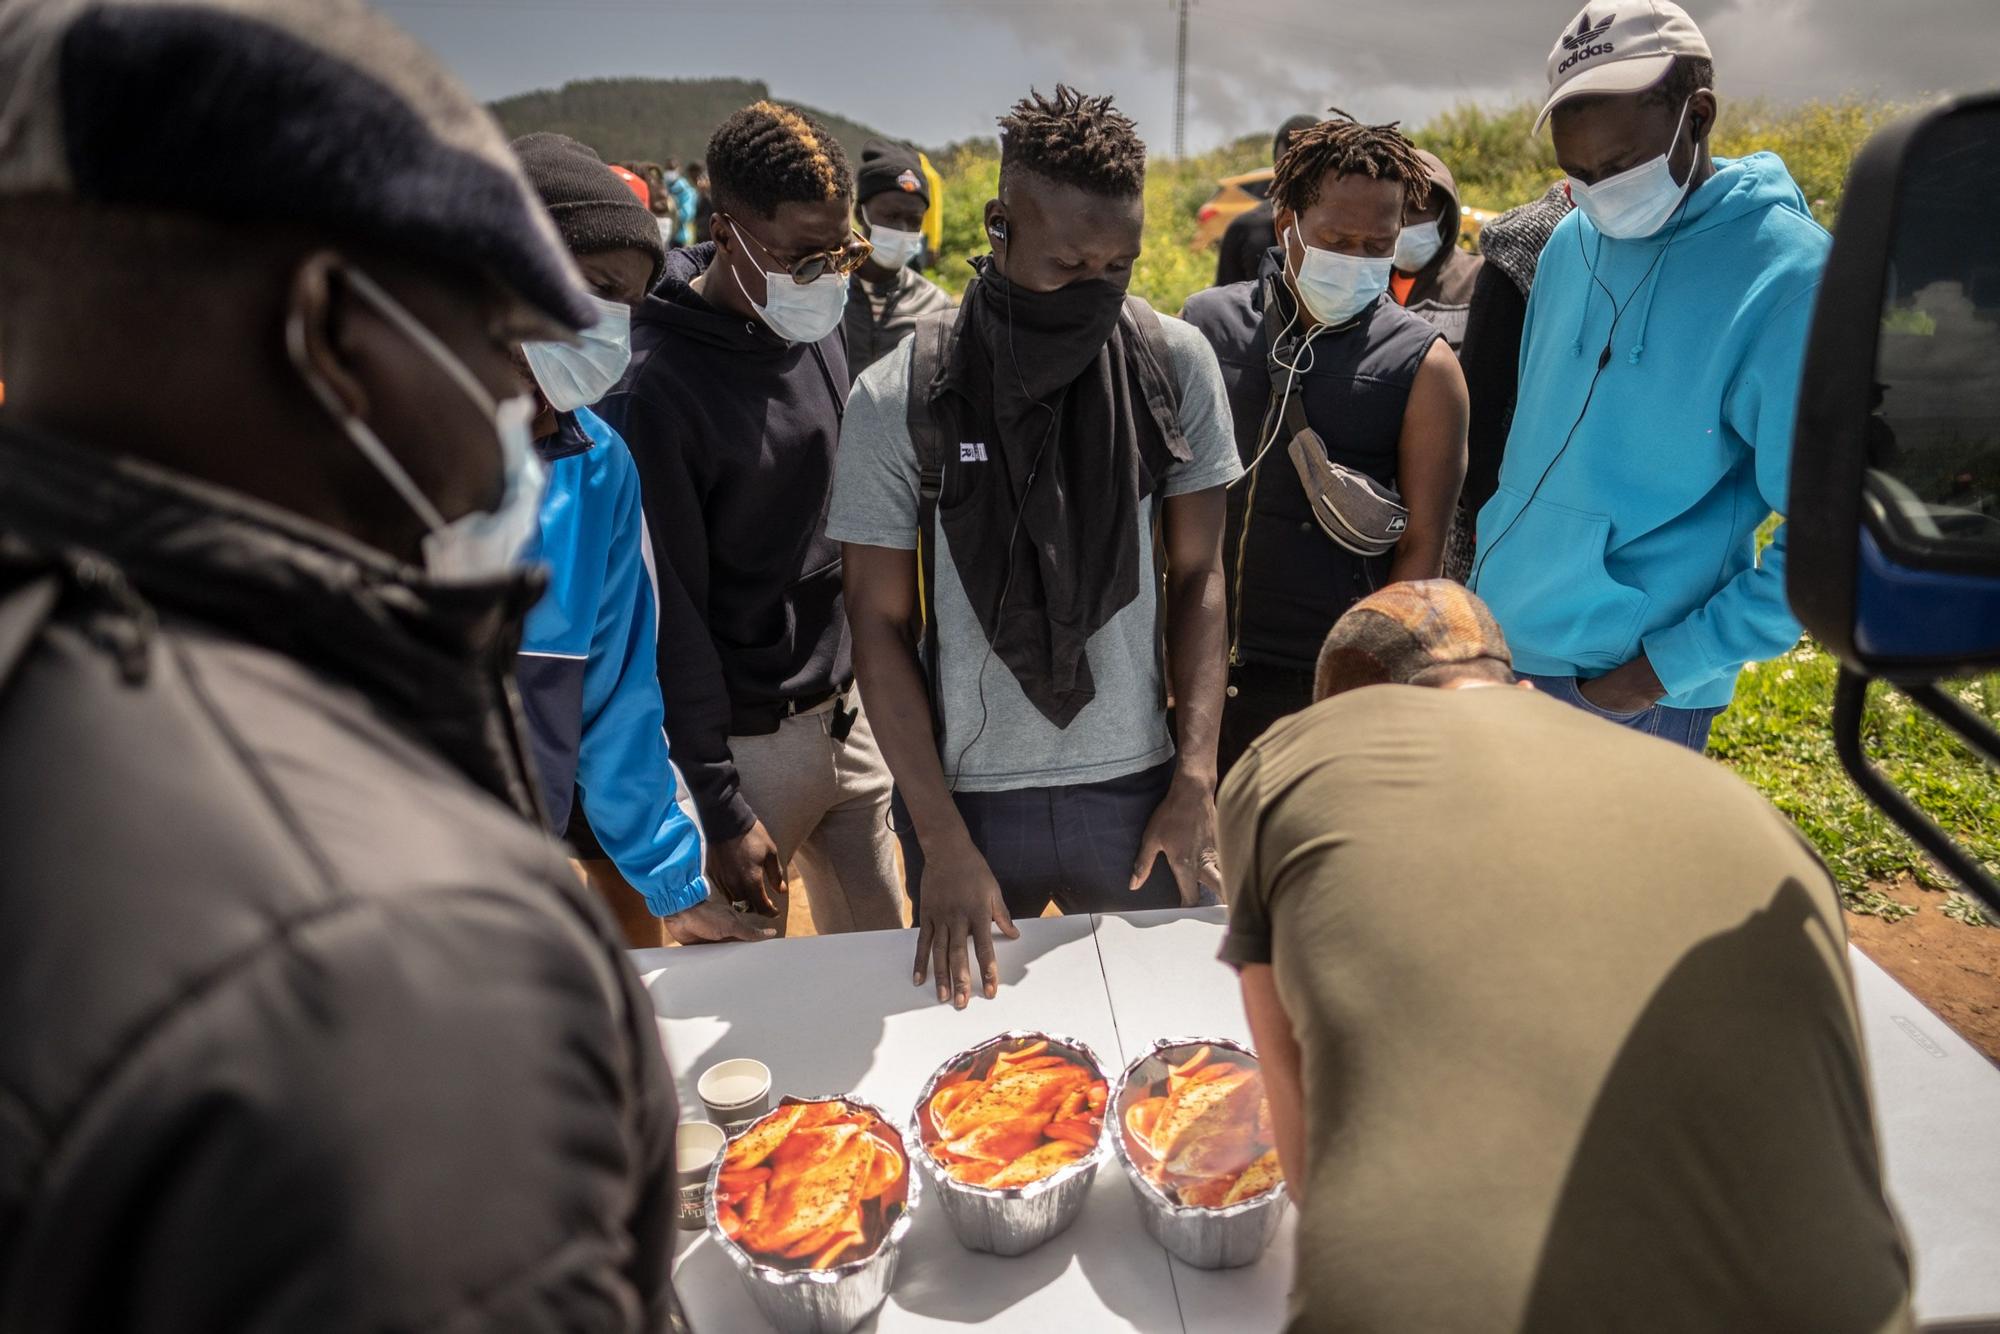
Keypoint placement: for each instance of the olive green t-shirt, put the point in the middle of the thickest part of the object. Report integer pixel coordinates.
(1580, 1048)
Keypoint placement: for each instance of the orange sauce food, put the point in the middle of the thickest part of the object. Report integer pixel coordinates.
(1029, 1115)
(1203, 1133)
(812, 1185)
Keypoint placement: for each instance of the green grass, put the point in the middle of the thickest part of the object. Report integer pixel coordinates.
(1778, 735)
(1962, 907)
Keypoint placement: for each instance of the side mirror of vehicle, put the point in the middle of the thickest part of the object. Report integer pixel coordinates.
(1894, 523)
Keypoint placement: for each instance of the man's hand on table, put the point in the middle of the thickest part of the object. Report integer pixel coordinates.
(1183, 831)
(709, 921)
(1633, 688)
(961, 900)
(746, 871)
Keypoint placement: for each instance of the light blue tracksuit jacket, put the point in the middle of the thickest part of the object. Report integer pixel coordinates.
(589, 672)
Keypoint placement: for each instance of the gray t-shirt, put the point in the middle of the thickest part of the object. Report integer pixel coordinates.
(1004, 741)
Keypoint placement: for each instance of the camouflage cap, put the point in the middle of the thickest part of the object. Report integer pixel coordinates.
(316, 113)
(1406, 631)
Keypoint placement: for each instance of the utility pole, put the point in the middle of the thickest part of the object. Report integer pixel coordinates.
(1180, 85)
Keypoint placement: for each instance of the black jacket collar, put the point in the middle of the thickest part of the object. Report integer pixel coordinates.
(438, 656)
(675, 304)
(569, 440)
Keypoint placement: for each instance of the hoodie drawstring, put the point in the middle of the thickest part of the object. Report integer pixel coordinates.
(1652, 287)
(1648, 288)
(1590, 293)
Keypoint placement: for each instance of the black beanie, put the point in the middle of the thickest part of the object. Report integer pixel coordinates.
(888, 165)
(593, 209)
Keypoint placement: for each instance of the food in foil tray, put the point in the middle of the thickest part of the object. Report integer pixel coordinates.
(1203, 1134)
(1029, 1116)
(812, 1185)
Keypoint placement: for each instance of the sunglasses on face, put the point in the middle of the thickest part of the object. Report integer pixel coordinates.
(842, 259)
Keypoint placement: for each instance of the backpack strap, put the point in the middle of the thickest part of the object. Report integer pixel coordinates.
(1163, 400)
(930, 352)
(1156, 375)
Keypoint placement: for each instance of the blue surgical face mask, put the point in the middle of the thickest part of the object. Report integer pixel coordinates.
(894, 248)
(1337, 287)
(1636, 203)
(1417, 245)
(573, 376)
(485, 543)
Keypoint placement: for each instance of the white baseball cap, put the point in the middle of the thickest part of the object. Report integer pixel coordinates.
(1619, 47)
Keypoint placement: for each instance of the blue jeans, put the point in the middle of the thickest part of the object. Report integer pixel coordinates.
(1683, 727)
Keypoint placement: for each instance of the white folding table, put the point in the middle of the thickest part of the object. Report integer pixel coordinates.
(837, 1014)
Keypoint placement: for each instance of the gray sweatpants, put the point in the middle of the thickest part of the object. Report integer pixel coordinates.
(826, 805)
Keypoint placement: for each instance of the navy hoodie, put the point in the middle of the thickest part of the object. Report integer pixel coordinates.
(734, 431)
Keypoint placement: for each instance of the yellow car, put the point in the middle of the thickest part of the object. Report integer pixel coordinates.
(1233, 195)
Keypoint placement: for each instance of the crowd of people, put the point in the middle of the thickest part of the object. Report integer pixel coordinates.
(371, 516)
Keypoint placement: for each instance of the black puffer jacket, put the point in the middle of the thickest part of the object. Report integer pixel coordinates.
(304, 1023)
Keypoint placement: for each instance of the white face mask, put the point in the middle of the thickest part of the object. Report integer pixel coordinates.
(1337, 287)
(801, 313)
(1418, 245)
(1636, 203)
(797, 312)
(480, 545)
(893, 248)
(575, 376)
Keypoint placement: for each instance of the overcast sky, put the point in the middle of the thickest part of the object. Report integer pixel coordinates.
(940, 70)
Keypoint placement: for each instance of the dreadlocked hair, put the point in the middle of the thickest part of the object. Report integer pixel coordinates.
(766, 155)
(1075, 140)
(1346, 147)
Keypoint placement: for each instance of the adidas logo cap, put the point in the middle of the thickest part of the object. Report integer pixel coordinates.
(1619, 47)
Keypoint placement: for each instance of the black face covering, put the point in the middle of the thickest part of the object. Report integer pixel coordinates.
(1055, 336)
(1041, 502)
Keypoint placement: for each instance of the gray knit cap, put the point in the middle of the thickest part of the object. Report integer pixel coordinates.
(1513, 241)
(313, 112)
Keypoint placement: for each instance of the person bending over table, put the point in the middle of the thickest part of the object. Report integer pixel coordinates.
(1590, 1062)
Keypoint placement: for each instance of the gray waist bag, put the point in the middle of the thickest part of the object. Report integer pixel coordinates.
(1355, 510)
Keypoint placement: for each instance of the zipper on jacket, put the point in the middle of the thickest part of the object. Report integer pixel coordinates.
(1242, 548)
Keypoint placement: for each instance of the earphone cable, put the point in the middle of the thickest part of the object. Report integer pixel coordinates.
(1603, 361)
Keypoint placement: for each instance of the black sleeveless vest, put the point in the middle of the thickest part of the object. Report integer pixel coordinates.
(1287, 581)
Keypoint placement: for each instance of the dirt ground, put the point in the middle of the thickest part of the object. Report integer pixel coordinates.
(1949, 966)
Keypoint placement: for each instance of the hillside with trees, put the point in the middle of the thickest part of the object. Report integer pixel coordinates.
(650, 119)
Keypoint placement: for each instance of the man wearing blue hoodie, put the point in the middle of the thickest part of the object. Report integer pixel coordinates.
(1660, 368)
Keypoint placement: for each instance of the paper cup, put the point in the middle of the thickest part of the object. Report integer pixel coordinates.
(697, 1144)
(735, 1093)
